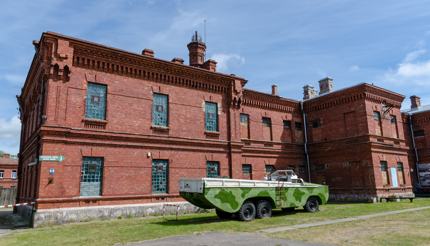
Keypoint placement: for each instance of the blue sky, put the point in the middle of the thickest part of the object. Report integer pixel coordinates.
(289, 43)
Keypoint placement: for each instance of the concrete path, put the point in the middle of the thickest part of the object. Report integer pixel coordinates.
(335, 221)
(222, 239)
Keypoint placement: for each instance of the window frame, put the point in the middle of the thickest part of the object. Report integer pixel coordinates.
(208, 164)
(167, 173)
(384, 169)
(298, 125)
(248, 128)
(87, 113)
(2, 174)
(288, 125)
(154, 105)
(216, 121)
(12, 176)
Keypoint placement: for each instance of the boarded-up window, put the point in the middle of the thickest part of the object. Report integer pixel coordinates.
(244, 126)
(378, 123)
(394, 129)
(267, 128)
(384, 172)
(350, 121)
(400, 173)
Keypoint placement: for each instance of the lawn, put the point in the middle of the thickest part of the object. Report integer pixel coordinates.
(138, 229)
(403, 229)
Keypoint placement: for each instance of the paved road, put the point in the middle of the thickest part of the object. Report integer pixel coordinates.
(222, 239)
(329, 222)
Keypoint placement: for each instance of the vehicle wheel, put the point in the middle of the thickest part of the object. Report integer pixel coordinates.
(223, 215)
(247, 211)
(312, 205)
(264, 209)
(288, 210)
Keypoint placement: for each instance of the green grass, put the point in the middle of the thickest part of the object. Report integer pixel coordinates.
(402, 229)
(138, 229)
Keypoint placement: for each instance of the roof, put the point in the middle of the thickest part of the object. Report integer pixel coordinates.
(137, 54)
(8, 161)
(351, 87)
(420, 109)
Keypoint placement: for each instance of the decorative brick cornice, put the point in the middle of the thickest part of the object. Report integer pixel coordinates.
(359, 92)
(265, 101)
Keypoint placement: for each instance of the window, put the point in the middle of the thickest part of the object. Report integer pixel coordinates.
(160, 107)
(419, 133)
(244, 126)
(316, 123)
(1, 174)
(298, 125)
(247, 170)
(91, 176)
(400, 173)
(287, 124)
(13, 174)
(211, 117)
(384, 172)
(378, 127)
(269, 169)
(393, 121)
(267, 128)
(160, 176)
(212, 169)
(96, 101)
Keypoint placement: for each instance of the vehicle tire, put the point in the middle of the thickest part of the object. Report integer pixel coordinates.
(223, 215)
(312, 205)
(264, 209)
(247, 211)
(288, 210)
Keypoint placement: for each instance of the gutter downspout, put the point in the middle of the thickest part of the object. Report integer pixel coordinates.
(415, 148)
(305, 131)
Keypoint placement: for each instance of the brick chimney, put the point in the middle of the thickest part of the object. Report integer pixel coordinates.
(415, 102)
(326, 85)
(178, 60)
(309, 92)
(148, 52)
(210, 65)
(274, 90)
(196, 49)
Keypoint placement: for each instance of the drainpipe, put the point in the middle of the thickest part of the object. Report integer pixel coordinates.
(305, 131)
(411, 129)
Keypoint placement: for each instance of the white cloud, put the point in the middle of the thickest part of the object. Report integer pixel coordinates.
(224, 61)
(354, 68)
(10, 130)
(411, 71)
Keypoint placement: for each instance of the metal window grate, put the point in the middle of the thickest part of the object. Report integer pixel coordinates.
(246, 169)
(160, 110)
(211, 117)
(96, 101)
(212, 169)
(91, 176)
(160, 176)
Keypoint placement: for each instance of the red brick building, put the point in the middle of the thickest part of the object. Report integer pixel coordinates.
(417, 126)
(8, 171)
(103, 126)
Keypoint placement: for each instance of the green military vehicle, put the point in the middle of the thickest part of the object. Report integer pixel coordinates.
(249, 199)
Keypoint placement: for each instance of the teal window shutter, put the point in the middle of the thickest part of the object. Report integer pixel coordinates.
(212, 169)
(160, 107)
(96, 101)
(211, 117)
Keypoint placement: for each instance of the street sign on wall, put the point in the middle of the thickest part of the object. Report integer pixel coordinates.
(57, 158)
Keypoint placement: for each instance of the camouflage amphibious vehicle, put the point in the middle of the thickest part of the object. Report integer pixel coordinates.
(249, 199)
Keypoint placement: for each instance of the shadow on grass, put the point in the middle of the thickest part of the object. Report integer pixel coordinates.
(214, 219)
